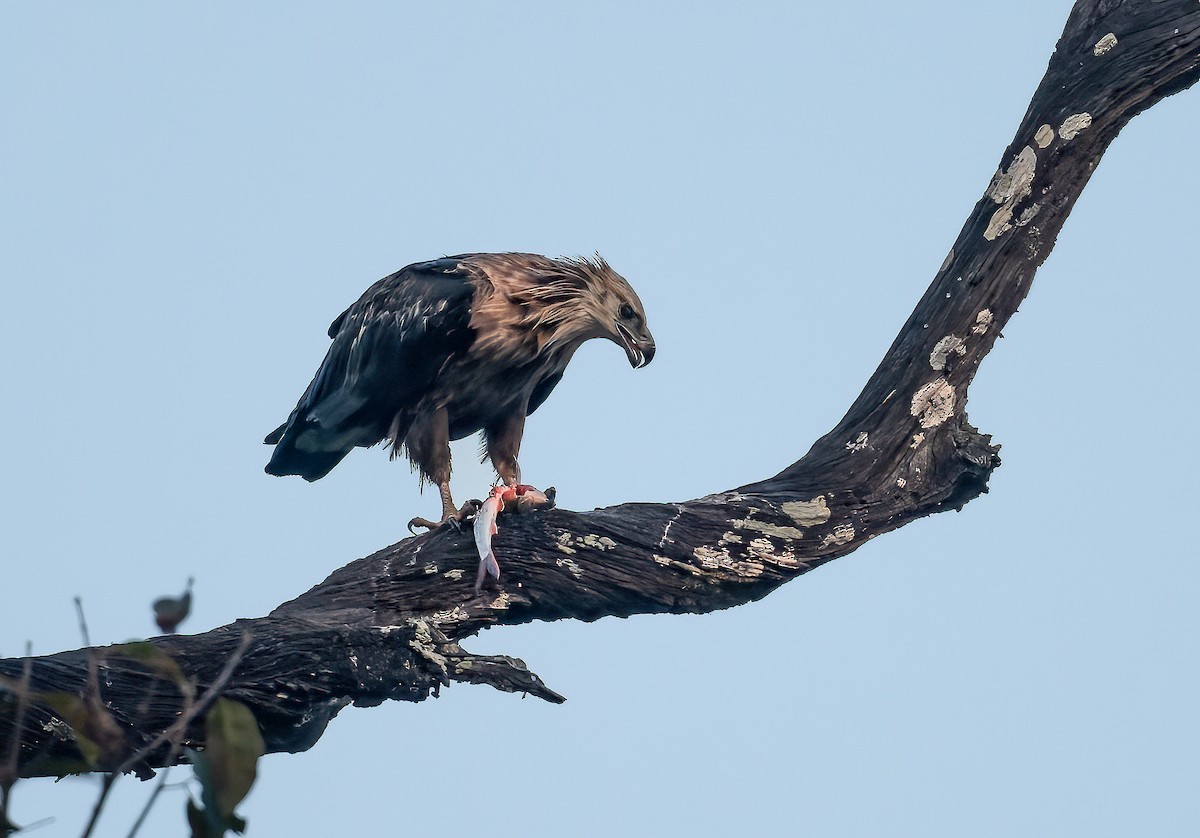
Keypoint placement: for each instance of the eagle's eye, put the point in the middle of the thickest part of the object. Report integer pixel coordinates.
(626, 311)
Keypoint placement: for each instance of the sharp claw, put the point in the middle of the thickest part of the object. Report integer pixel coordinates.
(423, 522)
(452, 519)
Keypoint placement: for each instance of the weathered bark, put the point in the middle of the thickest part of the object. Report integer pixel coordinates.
(387, 626)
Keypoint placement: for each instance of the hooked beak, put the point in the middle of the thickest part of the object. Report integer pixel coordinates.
(639, 350)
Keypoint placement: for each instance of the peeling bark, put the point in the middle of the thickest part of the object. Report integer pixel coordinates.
(388, 626)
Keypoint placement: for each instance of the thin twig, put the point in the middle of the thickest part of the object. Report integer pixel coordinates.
(105, 788)
(93, 690)
(173, 734)
(83, 627)
(210, 695)
(38, 824)
(158, 787)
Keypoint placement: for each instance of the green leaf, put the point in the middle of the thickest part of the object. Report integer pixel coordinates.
(99, 738)
(198, 820)
(73, 710)
(227, 766)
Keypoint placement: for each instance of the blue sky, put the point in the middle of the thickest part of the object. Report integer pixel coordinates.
(191, 194)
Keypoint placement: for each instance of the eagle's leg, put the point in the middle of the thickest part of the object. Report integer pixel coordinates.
(428, 444)
(503, 443)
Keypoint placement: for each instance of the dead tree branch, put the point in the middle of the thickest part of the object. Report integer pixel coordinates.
(388, 626)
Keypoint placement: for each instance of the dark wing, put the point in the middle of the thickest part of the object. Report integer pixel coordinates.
(387, 351)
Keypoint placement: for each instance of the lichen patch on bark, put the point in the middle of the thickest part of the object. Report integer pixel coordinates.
(1073, 124)
(807, 513)
(933, 404)
(1028, 214)
(571, 566)
(748, 523)
(842, 534)
(1010, 188)
(1104, 44)
(982, 321)
(943, 348)
(596, 542)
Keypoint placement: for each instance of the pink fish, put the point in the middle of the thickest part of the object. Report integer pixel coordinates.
(517, 498)
(485, 528)
(530, 499)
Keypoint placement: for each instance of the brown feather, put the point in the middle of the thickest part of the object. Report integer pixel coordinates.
(525, 317)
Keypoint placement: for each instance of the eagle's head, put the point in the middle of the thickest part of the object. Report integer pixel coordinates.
(601, 304)
(564, 302)
(617, 313)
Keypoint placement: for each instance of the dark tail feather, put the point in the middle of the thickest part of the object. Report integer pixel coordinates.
(274, 436)
(311, 465)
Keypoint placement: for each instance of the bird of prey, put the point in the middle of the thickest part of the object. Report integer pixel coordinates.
(443, 349)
